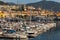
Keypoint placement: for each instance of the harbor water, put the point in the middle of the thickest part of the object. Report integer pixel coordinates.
(49, 35)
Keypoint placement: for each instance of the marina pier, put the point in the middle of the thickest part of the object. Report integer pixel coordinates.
(23, 30)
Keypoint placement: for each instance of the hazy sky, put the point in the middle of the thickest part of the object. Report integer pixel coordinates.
(26, 1)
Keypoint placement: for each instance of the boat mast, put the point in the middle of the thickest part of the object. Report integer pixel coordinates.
(30, 16)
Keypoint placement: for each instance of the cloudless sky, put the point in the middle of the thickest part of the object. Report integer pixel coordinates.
(26, 1)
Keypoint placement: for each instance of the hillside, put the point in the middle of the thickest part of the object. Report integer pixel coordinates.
(3, 3)
(47, 5)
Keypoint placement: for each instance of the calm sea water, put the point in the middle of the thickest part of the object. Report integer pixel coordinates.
(53, 35)
(50, 35)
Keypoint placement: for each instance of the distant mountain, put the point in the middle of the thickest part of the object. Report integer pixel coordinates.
(3, 3)
(55, 6)
(47, 5)
(10, 3)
